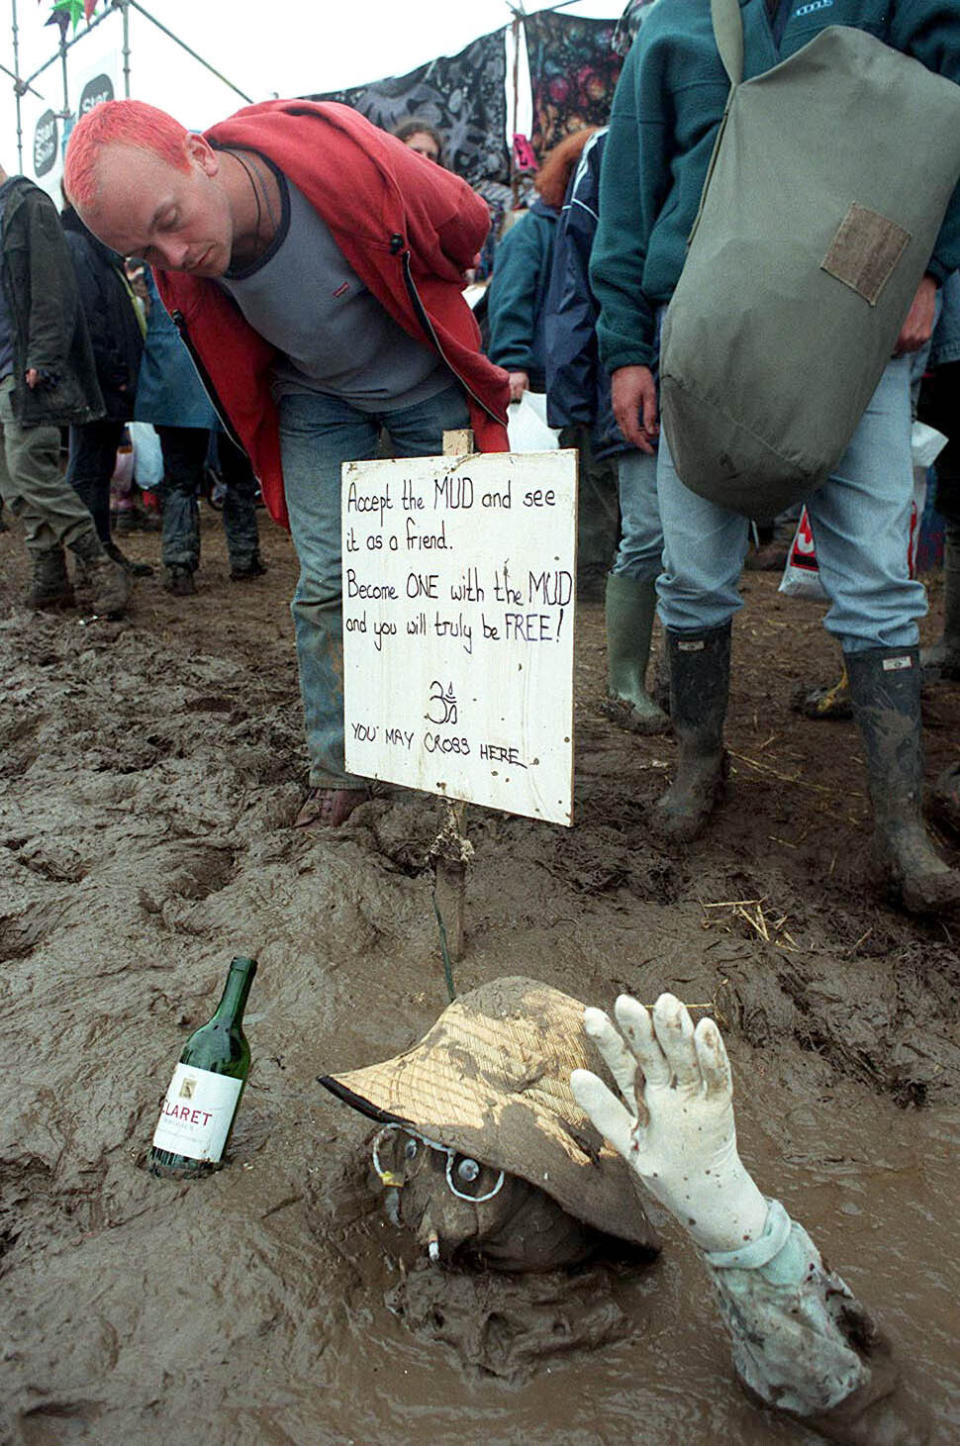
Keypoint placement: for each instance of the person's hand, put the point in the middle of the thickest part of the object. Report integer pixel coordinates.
(634, 397)
(675, 1126)
(32, 377)
(519, 382)
(917, 329)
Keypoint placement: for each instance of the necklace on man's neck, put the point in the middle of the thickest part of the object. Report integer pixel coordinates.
(259, 188)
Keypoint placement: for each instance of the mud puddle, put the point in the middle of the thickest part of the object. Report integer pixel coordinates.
(148, 775)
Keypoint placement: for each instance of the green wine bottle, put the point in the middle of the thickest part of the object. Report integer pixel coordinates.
(200, 1106)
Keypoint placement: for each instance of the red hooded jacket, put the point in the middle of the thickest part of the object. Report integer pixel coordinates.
(407, 227)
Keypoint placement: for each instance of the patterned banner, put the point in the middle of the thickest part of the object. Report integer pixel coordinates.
(573, 74)
(462, 96)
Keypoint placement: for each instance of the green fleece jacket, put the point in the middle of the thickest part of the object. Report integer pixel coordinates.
(666, 111)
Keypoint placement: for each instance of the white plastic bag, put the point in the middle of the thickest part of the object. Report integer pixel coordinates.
(527, 425)
(147, 457)
(801, 576)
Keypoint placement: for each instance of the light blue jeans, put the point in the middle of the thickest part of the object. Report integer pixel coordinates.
(860, 520)
(641, 537)
(317, 435)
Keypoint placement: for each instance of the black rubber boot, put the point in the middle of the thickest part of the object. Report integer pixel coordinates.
(50, 587)
(135, 569)
(699, 688)
(885, 687)
(248, 568)
(941, 661)
(179, 581)
(945, 798)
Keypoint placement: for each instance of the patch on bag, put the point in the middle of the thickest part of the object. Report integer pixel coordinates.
(895, 665)
(865, 251)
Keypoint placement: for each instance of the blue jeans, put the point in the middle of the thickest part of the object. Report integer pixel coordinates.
(860, 519)
(318, 434)
(641, 537)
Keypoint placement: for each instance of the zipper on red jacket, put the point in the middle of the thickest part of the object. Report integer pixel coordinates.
(395, 243)
(179, 321)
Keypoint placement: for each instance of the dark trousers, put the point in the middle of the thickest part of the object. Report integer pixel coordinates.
(184, 459)
(93, 458)
(939, 404)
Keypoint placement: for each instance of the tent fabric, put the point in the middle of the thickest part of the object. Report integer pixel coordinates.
(573, 74)
(462, 95)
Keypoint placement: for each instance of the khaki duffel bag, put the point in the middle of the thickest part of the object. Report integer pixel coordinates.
(827, 188)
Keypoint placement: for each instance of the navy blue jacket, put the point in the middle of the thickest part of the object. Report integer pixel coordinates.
(108, 306)
(578, 387)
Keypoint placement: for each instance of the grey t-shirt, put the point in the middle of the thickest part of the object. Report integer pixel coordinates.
(334, 334)
(6, 332)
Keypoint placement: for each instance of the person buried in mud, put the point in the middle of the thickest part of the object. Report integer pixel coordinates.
(315, 267)
(500, 1146)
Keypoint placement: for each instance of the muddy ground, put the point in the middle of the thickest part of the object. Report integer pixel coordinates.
(149, 772)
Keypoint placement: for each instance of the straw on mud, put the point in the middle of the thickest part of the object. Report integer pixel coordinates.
(791, 777)
(762, 927)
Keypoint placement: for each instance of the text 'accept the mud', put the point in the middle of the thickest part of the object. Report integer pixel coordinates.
(458, 624)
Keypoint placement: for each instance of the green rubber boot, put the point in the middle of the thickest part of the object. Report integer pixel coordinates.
(630, 606)
(699, 689)
(885, 686)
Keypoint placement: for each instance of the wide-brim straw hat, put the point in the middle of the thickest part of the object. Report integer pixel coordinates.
(491, 1080)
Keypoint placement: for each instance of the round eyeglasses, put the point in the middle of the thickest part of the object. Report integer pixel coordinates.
(463, 1174)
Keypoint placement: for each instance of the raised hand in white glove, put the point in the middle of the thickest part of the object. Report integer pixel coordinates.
(675, 1127)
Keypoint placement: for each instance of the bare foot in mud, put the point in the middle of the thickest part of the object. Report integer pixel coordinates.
(329, 807)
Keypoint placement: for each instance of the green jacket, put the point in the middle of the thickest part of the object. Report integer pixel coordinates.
(46, 319)
(518, 294)
(666, 110)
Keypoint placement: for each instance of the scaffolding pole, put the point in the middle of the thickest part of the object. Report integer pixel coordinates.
(184, 46)
(16, 87)
(22, 86)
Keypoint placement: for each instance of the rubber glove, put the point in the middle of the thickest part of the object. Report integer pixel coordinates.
(674, 1124)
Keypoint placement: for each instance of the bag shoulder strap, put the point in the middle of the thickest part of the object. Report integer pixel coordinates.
(728, 31)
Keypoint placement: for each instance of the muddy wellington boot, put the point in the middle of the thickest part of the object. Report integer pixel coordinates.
(50, 586)
(885, 686)
(107, 580)
(941, 662)
(699, 688)
(630, 606)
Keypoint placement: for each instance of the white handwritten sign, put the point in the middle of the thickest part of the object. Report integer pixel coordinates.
(458, 622)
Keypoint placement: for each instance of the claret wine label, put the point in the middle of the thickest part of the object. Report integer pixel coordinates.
(201, 1103)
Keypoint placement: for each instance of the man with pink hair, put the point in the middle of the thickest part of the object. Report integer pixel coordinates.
(315, 267)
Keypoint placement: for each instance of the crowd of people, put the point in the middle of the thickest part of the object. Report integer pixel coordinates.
(580, 281)
(285, 293)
